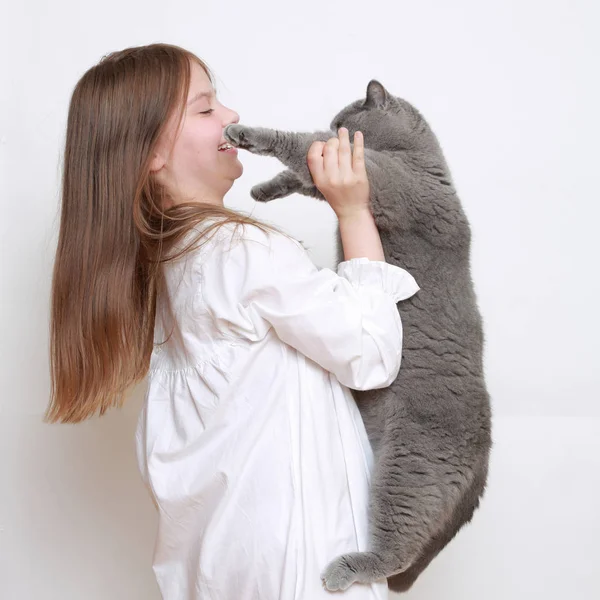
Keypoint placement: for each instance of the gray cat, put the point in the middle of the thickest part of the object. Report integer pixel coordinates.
(431, 428)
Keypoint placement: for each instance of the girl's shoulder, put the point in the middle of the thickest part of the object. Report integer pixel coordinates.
(228, 235)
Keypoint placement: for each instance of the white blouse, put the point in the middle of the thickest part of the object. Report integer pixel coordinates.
(252, 446)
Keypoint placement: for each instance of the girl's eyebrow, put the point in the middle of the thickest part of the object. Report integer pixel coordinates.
(200, 95)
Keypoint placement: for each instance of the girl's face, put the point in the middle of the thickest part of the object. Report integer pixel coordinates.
(196, 169)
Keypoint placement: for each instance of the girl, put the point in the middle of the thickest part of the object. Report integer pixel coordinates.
(249, 440)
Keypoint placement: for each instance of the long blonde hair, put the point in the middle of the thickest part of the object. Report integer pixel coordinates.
(114, 234)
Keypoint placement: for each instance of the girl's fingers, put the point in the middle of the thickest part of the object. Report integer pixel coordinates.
(345, 152)
(358, 157)
(315, 160)
(330, 156)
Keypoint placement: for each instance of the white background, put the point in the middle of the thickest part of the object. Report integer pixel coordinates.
(511, 90)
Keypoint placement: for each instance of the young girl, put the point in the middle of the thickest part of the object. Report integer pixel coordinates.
(249, 440)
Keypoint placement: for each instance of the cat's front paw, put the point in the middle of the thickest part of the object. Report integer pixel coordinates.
(262, 193)
(238, 136)
(283, 184)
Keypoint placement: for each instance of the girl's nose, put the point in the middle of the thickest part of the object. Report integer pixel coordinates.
(236, 118)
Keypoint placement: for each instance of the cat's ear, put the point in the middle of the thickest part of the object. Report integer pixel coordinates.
(377, 96)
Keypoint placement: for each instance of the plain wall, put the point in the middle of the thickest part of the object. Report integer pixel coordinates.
(511, 90)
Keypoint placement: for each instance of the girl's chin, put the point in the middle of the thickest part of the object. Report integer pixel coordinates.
(238, 167)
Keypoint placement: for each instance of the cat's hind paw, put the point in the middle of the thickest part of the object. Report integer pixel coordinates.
(338, 575)
(354, 567)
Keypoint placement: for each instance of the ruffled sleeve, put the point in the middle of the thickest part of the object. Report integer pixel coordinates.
(364, 273)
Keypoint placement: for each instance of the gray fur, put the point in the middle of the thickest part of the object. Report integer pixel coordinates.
(430, 429)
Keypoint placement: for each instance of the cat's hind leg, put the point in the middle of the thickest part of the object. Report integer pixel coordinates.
(407, 507)
(354, 567)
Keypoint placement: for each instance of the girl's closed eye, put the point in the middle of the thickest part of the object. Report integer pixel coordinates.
(207, 112)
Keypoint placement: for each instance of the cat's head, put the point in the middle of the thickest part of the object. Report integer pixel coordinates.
(387, 122)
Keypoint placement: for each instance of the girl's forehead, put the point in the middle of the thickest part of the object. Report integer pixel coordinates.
(200, 85)
(199, 75)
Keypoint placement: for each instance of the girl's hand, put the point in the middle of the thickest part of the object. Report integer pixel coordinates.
(339, 174)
